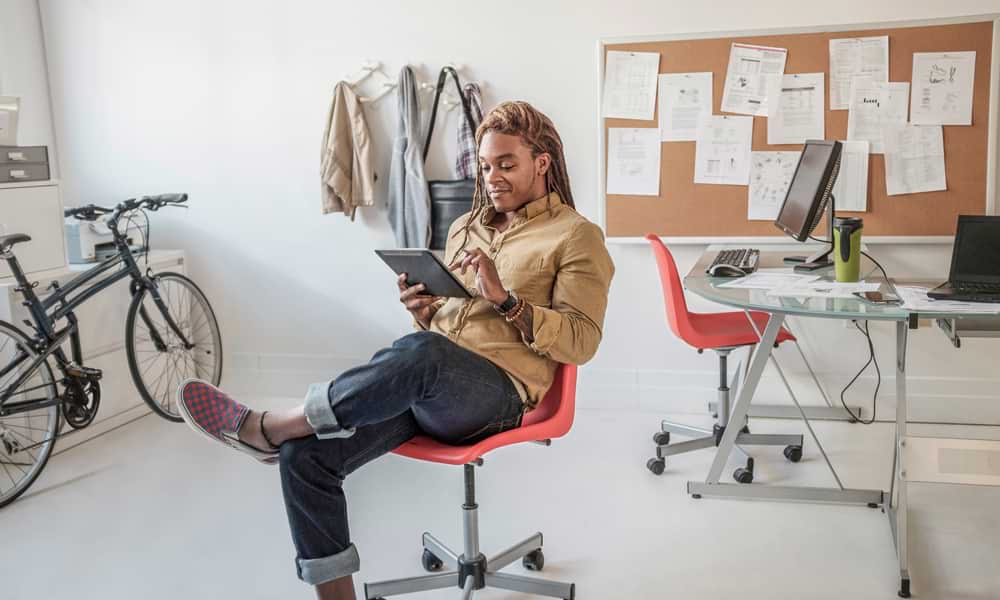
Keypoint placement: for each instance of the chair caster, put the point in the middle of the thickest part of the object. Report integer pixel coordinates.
(431, 563)
(793, 453)
(656, 465)
(534, 560)
(744, 474)
(661, 438)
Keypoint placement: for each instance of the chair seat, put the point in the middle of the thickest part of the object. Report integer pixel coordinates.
(534, 427)
(729, 329)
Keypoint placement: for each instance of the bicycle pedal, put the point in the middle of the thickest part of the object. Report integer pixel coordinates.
(82, 372)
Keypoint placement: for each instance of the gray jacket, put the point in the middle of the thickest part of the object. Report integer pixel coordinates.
(409, 198)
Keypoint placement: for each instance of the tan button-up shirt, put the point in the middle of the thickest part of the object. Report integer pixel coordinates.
(555, 260)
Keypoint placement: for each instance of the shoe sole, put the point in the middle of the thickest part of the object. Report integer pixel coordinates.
(183, 410)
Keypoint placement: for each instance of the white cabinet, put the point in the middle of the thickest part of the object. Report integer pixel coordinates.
(35, 209)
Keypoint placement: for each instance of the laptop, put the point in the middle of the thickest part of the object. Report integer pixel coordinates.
(975, 262)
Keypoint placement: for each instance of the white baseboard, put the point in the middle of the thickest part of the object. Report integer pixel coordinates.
(931, 399)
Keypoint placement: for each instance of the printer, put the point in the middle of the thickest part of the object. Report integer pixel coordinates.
(92, 241)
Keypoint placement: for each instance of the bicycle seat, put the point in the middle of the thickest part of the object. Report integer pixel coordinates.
(7, 241)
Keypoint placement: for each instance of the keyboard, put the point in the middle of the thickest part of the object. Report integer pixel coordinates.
(976, 292)
(744, 259)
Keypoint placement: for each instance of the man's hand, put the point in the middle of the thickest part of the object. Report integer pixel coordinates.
(487, 279)
(418, 304)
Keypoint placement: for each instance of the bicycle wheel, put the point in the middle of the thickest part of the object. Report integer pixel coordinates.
(157, 358)
(26, 438)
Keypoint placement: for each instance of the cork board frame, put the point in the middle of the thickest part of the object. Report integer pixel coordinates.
(699, 213)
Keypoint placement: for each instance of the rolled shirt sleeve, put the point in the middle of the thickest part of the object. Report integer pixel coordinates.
(570, 331)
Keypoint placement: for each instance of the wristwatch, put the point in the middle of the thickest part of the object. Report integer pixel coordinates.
(506, 306)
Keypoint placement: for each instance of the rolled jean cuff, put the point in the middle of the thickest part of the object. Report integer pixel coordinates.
(315, 571)
(319, 413)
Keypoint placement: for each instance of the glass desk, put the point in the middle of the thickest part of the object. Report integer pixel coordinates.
(894, 501)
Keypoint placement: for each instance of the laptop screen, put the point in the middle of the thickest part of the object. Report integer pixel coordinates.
(977, 250)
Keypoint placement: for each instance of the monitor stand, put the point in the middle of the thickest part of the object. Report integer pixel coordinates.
(821, 259)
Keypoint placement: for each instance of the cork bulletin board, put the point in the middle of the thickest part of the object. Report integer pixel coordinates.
(686, 209)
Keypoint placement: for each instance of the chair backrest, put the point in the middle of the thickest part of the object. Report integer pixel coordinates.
(556, 410)
(678, 316)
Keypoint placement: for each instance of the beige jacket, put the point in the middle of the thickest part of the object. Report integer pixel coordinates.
(346, 159)
(555, 260)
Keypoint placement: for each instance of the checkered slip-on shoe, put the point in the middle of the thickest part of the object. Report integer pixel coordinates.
(210, 412)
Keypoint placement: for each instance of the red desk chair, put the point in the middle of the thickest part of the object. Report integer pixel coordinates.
(721, 333)
(471, 570)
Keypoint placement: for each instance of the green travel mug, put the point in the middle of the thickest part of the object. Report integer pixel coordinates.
(847, 248)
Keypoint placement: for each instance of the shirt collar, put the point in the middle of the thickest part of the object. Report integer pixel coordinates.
(528, 211)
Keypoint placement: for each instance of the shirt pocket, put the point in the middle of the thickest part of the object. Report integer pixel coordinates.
(535, 286)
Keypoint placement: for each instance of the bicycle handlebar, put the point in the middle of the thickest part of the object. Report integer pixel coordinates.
(91, 212)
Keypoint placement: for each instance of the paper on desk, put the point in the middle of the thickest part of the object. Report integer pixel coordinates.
(915, 298)
(914, 159)
(850, 191)
(634, 161)
(824, 289)
(875, 104)
(747, 77)
(770, 175)
(942, 88)
(764, 280)
(722, 150)
(853, 57)
(630, 84)
(796, 109)
(684, 99)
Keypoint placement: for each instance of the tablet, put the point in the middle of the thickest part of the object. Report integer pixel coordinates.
(422, 266)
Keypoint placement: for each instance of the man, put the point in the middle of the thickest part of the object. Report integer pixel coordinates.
(541, 274)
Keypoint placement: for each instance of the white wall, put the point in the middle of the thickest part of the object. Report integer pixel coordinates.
(226, 101)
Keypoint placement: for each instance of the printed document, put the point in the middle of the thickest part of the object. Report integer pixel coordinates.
(850, 191)
(770, 175)
(796, 109)
(722, 150)
(630, 84)
(764, 280)
(942, 88)
(824, 289)
(915, 298)
(853, 57)
(914, 159)
(748, 77)
(634, 161)
(875, 104)
(684, 99)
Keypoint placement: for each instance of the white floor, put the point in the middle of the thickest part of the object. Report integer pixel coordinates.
(152, 511)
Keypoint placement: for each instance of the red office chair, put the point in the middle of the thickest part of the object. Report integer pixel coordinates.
(472, 571)
(721, 333)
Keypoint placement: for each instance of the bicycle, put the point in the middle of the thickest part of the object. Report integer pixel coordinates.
(171, 334)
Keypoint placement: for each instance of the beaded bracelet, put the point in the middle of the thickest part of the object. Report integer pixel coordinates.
(516, 311)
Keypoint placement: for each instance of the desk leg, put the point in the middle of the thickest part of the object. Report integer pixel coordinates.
(897, 513)
(743, 399)
(712, 487)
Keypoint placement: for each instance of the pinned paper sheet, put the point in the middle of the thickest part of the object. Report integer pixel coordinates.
(748, 77)
(942, 88)
(853, 57)
(722, 150)
(850, 191)
(634, 161)
(875, 104)
(630, 84)
(796, 109)
(914, 159)
(684, 99)
(770, 175)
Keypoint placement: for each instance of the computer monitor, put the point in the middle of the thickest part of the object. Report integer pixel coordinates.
(809, 195)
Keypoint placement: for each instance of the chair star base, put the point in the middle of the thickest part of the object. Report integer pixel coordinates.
(469, 575)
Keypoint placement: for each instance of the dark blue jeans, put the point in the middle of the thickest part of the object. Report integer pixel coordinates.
(424, 383)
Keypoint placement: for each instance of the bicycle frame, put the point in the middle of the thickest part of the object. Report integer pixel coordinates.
(59, 305)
